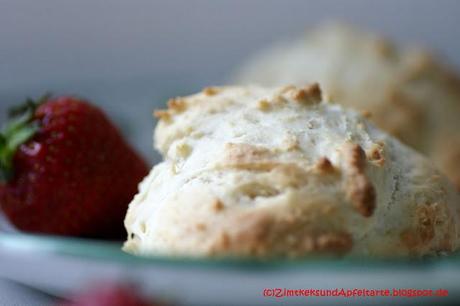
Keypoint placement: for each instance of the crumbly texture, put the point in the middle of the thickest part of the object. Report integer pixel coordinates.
(406, 92)
(250, 171)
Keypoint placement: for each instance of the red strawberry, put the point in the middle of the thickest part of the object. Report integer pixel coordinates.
(109, 295)
(67, 170)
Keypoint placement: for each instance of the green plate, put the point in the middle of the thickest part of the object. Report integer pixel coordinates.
(59, 266)
(111, 251)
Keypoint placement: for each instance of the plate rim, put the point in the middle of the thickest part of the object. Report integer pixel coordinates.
(111, 251)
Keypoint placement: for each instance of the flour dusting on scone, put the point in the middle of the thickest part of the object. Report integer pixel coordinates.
(405, 91)
(253, 171)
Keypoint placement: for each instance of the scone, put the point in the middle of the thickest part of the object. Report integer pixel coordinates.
(251, 171)
(408, 93)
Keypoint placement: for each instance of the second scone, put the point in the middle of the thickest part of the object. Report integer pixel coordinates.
(410, 94)
(252, 171)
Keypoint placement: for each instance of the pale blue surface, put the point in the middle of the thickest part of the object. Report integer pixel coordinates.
(53, 40)
(129, 56)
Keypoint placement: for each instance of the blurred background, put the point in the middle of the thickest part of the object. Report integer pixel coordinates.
(130, 56)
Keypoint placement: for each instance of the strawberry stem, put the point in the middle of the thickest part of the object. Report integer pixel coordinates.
(18, 131)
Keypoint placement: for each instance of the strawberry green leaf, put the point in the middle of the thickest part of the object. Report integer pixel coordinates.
(21, 136)
(9, 146)
(17, 123)
(4, 163)
(19, 130)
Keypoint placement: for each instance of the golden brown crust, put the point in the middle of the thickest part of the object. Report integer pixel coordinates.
(246, 156)
(162, 114)
(265, 235)
(339, 243)
(221, 245)
(177, 105)
(359, 188)
(426, 215)
(201, 227)
(310, 94)
(210, 91)
(355, 158)
(376, 155)
(324, 165)
(263, 105)
(366, 114)
(218, 206)
(427, 218)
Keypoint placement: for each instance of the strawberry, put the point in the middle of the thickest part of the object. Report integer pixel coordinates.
(108, 294)
(66, 170)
